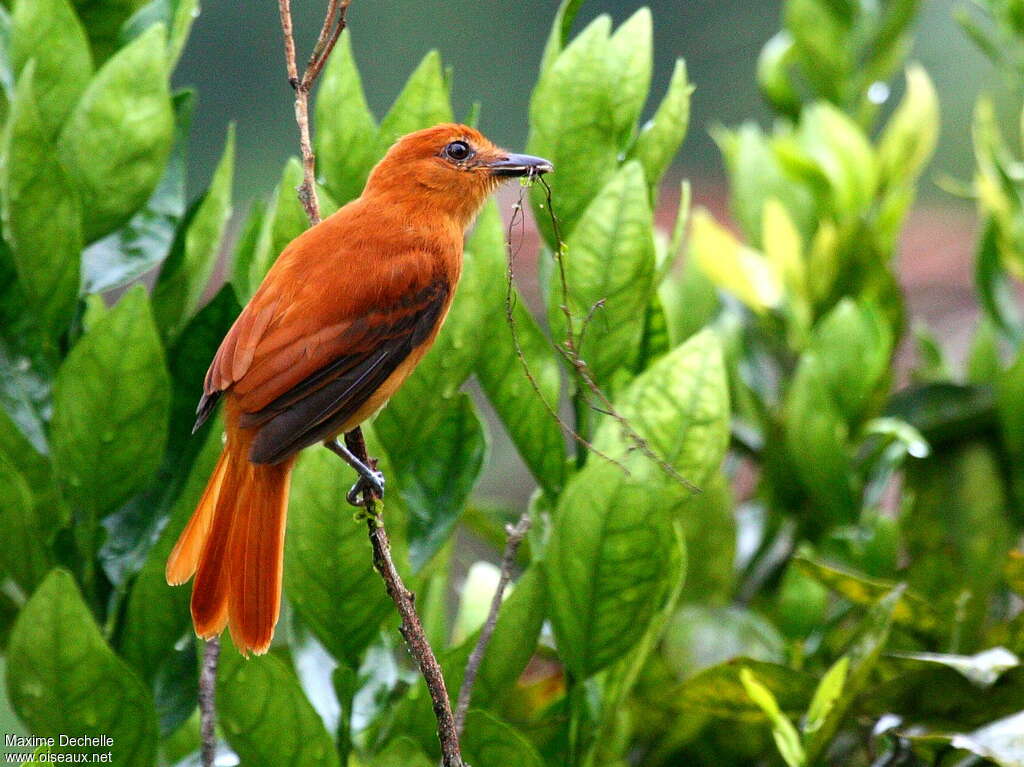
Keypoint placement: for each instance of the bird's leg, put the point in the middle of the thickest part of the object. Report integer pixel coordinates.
(369, 478)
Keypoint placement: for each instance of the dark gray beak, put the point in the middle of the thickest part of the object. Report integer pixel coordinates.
(520, 165)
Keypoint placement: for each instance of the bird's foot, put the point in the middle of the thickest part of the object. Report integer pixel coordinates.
(372, 482)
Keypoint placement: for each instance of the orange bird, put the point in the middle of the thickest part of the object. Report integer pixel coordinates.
(339, 322)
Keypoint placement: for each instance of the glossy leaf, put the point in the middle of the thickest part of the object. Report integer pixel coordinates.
(983, 669)
(187, 270)
(49, 33)
(110, 406)
(629, 61)
(327, 555)
(489, 742)
(829, 690)
(435, 474)
(572, 124)
(141, 244)
(42, 220)
(787, 740)
(117, 139)
(910, 610)
(63, 678)
(863, 655)
(659, 140)
(691, 439)
(423, 102)
(606, 562)
(609, 273)
(103, 20)
(265, 715)
(841, 153)
(733, 266)
(533, 429)
(912, 132)
(719, 691)
(30, 560)
(346, 135)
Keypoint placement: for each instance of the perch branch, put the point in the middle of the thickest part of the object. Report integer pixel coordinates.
(411, 628)
(207, 707)
(514, 537)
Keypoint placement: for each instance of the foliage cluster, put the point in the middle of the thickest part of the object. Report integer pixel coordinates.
(869, 574)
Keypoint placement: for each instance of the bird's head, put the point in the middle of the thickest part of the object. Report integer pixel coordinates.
(449, 168)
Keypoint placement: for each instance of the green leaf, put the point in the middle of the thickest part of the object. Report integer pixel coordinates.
(830, 688)
(63, 679)
(773, 74)
(157, 615)
(329, 555)
(572, 124)
(49, 32)
(710, 528)
(995, 291)
(41, 214)
(423, 102)
(401, 752)
(910, 136)
(719, 691)
(680, 407)
(609, 273)
(911, 609)
(177, 15)
(531, 425)
(606, 562)
(346, 134)
(839, 150)
(559, 35)
(698, 637)
(30, 560)
(816, 437)
(110, 404)
(187, 270)
(787, 740)
(514, 641)
(629, 60)
(863, 655)
(103, 20)
(266, 717)
(126, 254)
(435, 474)
(489, 742)
(661, 137)
(732, 266)
(1009, 395)
(957, 532)
(117, 139)
(852, 344)
(821, 33)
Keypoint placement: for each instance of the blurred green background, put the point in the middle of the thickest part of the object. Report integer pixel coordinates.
(234, 58)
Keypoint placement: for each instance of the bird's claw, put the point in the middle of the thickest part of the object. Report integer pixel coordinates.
(374, 484)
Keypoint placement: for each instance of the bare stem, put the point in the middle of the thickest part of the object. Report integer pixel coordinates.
(514, 537)
(207, 701)
(411, 628)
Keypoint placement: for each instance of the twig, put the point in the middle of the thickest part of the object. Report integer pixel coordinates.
(514, 537)
(510, 302)
(570, 350)
(411, 628)
(207, 701)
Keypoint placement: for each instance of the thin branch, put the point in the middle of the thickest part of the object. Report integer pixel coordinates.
(510, 302)
(207, 701)
(411, 628)
(515, 536)
(571, 352)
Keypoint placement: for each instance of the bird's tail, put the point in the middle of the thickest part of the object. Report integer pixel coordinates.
(234, 545)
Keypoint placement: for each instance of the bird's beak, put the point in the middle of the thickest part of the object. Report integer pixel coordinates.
(520, 165)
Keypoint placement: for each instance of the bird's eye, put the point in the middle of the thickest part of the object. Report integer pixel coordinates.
(457, 150)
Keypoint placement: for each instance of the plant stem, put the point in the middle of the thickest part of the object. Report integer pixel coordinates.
(411, 628)
(515, 537)
(207, 701)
